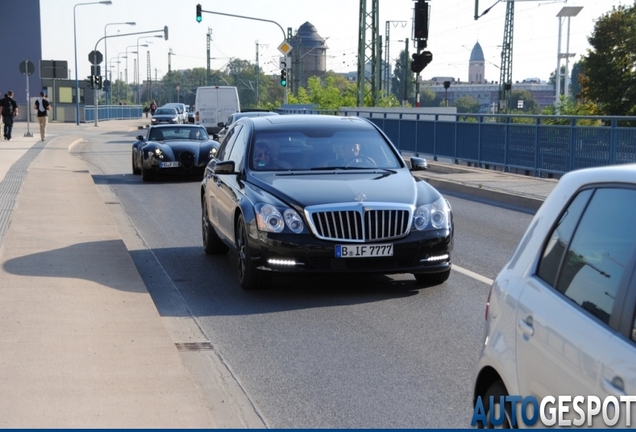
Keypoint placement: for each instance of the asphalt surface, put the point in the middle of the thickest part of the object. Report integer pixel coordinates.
(82, 344)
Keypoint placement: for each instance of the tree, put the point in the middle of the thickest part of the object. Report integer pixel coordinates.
(608, 76)
(397, 81)
(427, 97)
(467, 104)
(530, 105)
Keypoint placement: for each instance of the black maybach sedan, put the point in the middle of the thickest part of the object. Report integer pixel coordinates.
(173, 150)
(321, 194)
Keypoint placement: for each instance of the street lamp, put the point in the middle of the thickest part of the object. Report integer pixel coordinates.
(77, 92)
(132, 23)
(131, 52)
(138, 65)
(569, 12)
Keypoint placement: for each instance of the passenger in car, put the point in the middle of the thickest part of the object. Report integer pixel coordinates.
(263, 159)
(344, 152)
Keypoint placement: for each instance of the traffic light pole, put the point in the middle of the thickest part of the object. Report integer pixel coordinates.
(199, 11)
(165, 35)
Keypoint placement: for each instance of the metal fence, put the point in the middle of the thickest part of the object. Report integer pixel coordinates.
(538, 145)
(112, 112)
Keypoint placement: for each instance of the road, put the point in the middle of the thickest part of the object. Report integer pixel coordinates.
(326, 352)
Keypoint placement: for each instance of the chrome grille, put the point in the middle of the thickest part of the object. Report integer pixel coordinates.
(360, 223)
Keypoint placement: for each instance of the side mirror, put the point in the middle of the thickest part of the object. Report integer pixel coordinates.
(220, 124)
(140, 137)
(418, 163)
(216, 136)
(224, 167)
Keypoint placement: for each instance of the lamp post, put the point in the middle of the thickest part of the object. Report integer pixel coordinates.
(132, 23)
(77, 92)
(139, 67)
(569, 12)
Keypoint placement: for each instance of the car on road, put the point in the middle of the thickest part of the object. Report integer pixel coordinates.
(172, 150)
(287, 195)
(560, 316)
(182, 110)
(165, 115)
(239, 115)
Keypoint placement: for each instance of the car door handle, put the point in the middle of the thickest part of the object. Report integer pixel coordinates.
(526, 327)
(613, 389)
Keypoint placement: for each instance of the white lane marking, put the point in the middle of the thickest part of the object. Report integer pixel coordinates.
(473, 275)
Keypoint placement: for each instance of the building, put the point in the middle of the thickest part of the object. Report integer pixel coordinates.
(309, 56)
(21, 21)
(486, 93)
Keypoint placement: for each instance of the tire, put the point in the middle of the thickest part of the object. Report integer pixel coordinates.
(249, 278)
(432, 279)
(212, 244)
(496, 390)
(135, 169)
(146, 174)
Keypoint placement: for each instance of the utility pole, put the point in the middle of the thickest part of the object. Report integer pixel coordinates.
(387, 56)
(368, 22)
(208, 39)
(170, 54)
(505, 73)
(405, 91)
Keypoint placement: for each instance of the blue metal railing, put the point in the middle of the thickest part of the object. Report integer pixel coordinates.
(112, 112)
(543, 145)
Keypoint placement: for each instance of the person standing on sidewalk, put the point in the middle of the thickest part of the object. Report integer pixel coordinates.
(9, 110)
(42, 106)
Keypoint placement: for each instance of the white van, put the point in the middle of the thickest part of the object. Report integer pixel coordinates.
(214, 104)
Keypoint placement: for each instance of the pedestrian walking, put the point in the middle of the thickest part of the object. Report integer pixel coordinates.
(153, 107)
(43, 107)
(9, 111)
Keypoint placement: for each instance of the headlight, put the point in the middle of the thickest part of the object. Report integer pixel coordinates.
(158, 151)
(270, 219)
(432, 216)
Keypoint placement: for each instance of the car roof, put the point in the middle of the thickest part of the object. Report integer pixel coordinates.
(304, 120)
(254, 114)
(173, 126)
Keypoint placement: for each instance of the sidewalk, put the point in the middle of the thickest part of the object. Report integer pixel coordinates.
(82, 344)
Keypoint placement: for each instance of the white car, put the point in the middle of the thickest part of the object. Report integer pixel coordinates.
(560, 315)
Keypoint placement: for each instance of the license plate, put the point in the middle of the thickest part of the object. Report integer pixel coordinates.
(364, 251)
(168, 164)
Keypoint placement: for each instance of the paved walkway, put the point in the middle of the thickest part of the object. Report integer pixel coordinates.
(82, 344)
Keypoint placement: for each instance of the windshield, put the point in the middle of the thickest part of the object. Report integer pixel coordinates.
(324, 149)
(166, 111)
(178, 133)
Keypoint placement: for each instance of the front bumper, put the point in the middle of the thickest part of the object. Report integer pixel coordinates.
(419, 252)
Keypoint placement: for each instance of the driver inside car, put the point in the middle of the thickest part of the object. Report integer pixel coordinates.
(348, 155)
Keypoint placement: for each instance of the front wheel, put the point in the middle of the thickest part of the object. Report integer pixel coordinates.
(246, 270)
(135, 168)
(432, 279)
(212, 244)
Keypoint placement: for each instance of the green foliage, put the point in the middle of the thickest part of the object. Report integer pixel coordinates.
(530, 105)
(467, 104)
(329, 93)
(608, 76)
(569, 107)
(402, 66)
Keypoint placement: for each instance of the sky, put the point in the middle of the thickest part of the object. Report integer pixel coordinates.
(453, 33)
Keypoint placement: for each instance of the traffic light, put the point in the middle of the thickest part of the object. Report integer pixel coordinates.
(91, 80)
(199, 18)
(420, 21)
(98, 81)
(165, 32)
(420, 61)
(283, 77)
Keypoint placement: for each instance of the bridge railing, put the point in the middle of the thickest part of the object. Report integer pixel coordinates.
(112, 112)
(538, 145)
